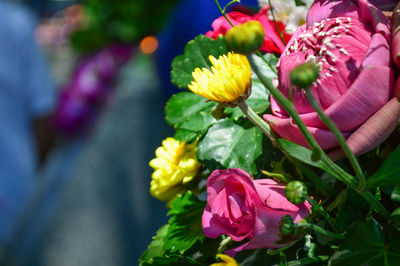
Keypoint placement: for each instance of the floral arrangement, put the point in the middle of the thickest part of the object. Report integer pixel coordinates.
(286, 143)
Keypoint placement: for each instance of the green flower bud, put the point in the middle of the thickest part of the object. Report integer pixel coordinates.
(286, 225)
(304, 75)
(245, 38)
(296, 192)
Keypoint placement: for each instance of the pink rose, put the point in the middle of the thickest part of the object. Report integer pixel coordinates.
(351, 41)
(243, 208)
(272, 42)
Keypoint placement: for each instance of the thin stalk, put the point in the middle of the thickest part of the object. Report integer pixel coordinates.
(230, 3)
(267, 62)
(324, 213)
(257, 120)
(342, 141)
(223, 12)
(320, 230)
(276, 24)
(339, 173)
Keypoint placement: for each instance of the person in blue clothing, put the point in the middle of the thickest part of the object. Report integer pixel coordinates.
(26, 97)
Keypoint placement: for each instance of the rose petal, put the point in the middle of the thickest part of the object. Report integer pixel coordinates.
(273, 196)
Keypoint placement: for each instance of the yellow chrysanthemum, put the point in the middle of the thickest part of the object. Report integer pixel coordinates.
(175, 164)
(226, 261)
(229, 78)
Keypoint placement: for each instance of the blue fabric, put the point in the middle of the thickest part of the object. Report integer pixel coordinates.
(26, 92)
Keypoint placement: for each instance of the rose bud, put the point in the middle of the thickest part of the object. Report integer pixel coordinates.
(243, 208)
(245, 38)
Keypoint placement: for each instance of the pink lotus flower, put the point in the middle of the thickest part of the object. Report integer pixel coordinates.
(351, 42)
(243, 208)
(272, 42)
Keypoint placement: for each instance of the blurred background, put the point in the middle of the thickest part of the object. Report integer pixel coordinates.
(83, 85)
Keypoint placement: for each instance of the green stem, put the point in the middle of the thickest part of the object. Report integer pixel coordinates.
(320, 230)
(342, 141)
(223, 12)
(324, 213)
(230, 3)
(267, 62)
(257, 121)
(338, 172)
(276, 24)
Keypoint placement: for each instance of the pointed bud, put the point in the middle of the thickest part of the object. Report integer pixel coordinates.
(304, 75)
(296, 192)
(286, 225)
(245, 38)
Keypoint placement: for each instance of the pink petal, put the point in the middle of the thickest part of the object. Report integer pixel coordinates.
(285, 128)
(273, 196)
(323, 9)
(374, 131)
(368, 93)
(378, 53)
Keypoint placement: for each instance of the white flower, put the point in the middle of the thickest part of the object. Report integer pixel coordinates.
(287, 12)
(296, 18)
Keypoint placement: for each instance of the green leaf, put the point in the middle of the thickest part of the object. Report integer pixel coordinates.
(185, 224)
(155, 249)
(302, 154)
(365, 244)
(353, 208)
(173, 259)
(258, 101)
(395, 218)
(307, 261)
(186, 110)
(187, 136)
(229, 145)
(195, 55)
(388, 173)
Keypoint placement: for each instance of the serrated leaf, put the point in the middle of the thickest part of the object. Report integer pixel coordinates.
(195, 55)
(258, 101)
(229, 145)
(365, 244)
(185, 224)
(155, 248)
(190, 112)
(389, 173)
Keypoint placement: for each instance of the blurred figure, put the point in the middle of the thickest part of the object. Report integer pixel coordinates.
(26, 97)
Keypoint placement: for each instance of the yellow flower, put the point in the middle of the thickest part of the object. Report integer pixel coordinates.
(229, 78)
(175, 164)
(226, 261)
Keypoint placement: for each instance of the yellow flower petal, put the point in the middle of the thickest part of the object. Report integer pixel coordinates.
(229, 78)
(176, 164)
(226, 261)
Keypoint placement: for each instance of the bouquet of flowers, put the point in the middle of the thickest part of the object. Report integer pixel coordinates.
(286, 144)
